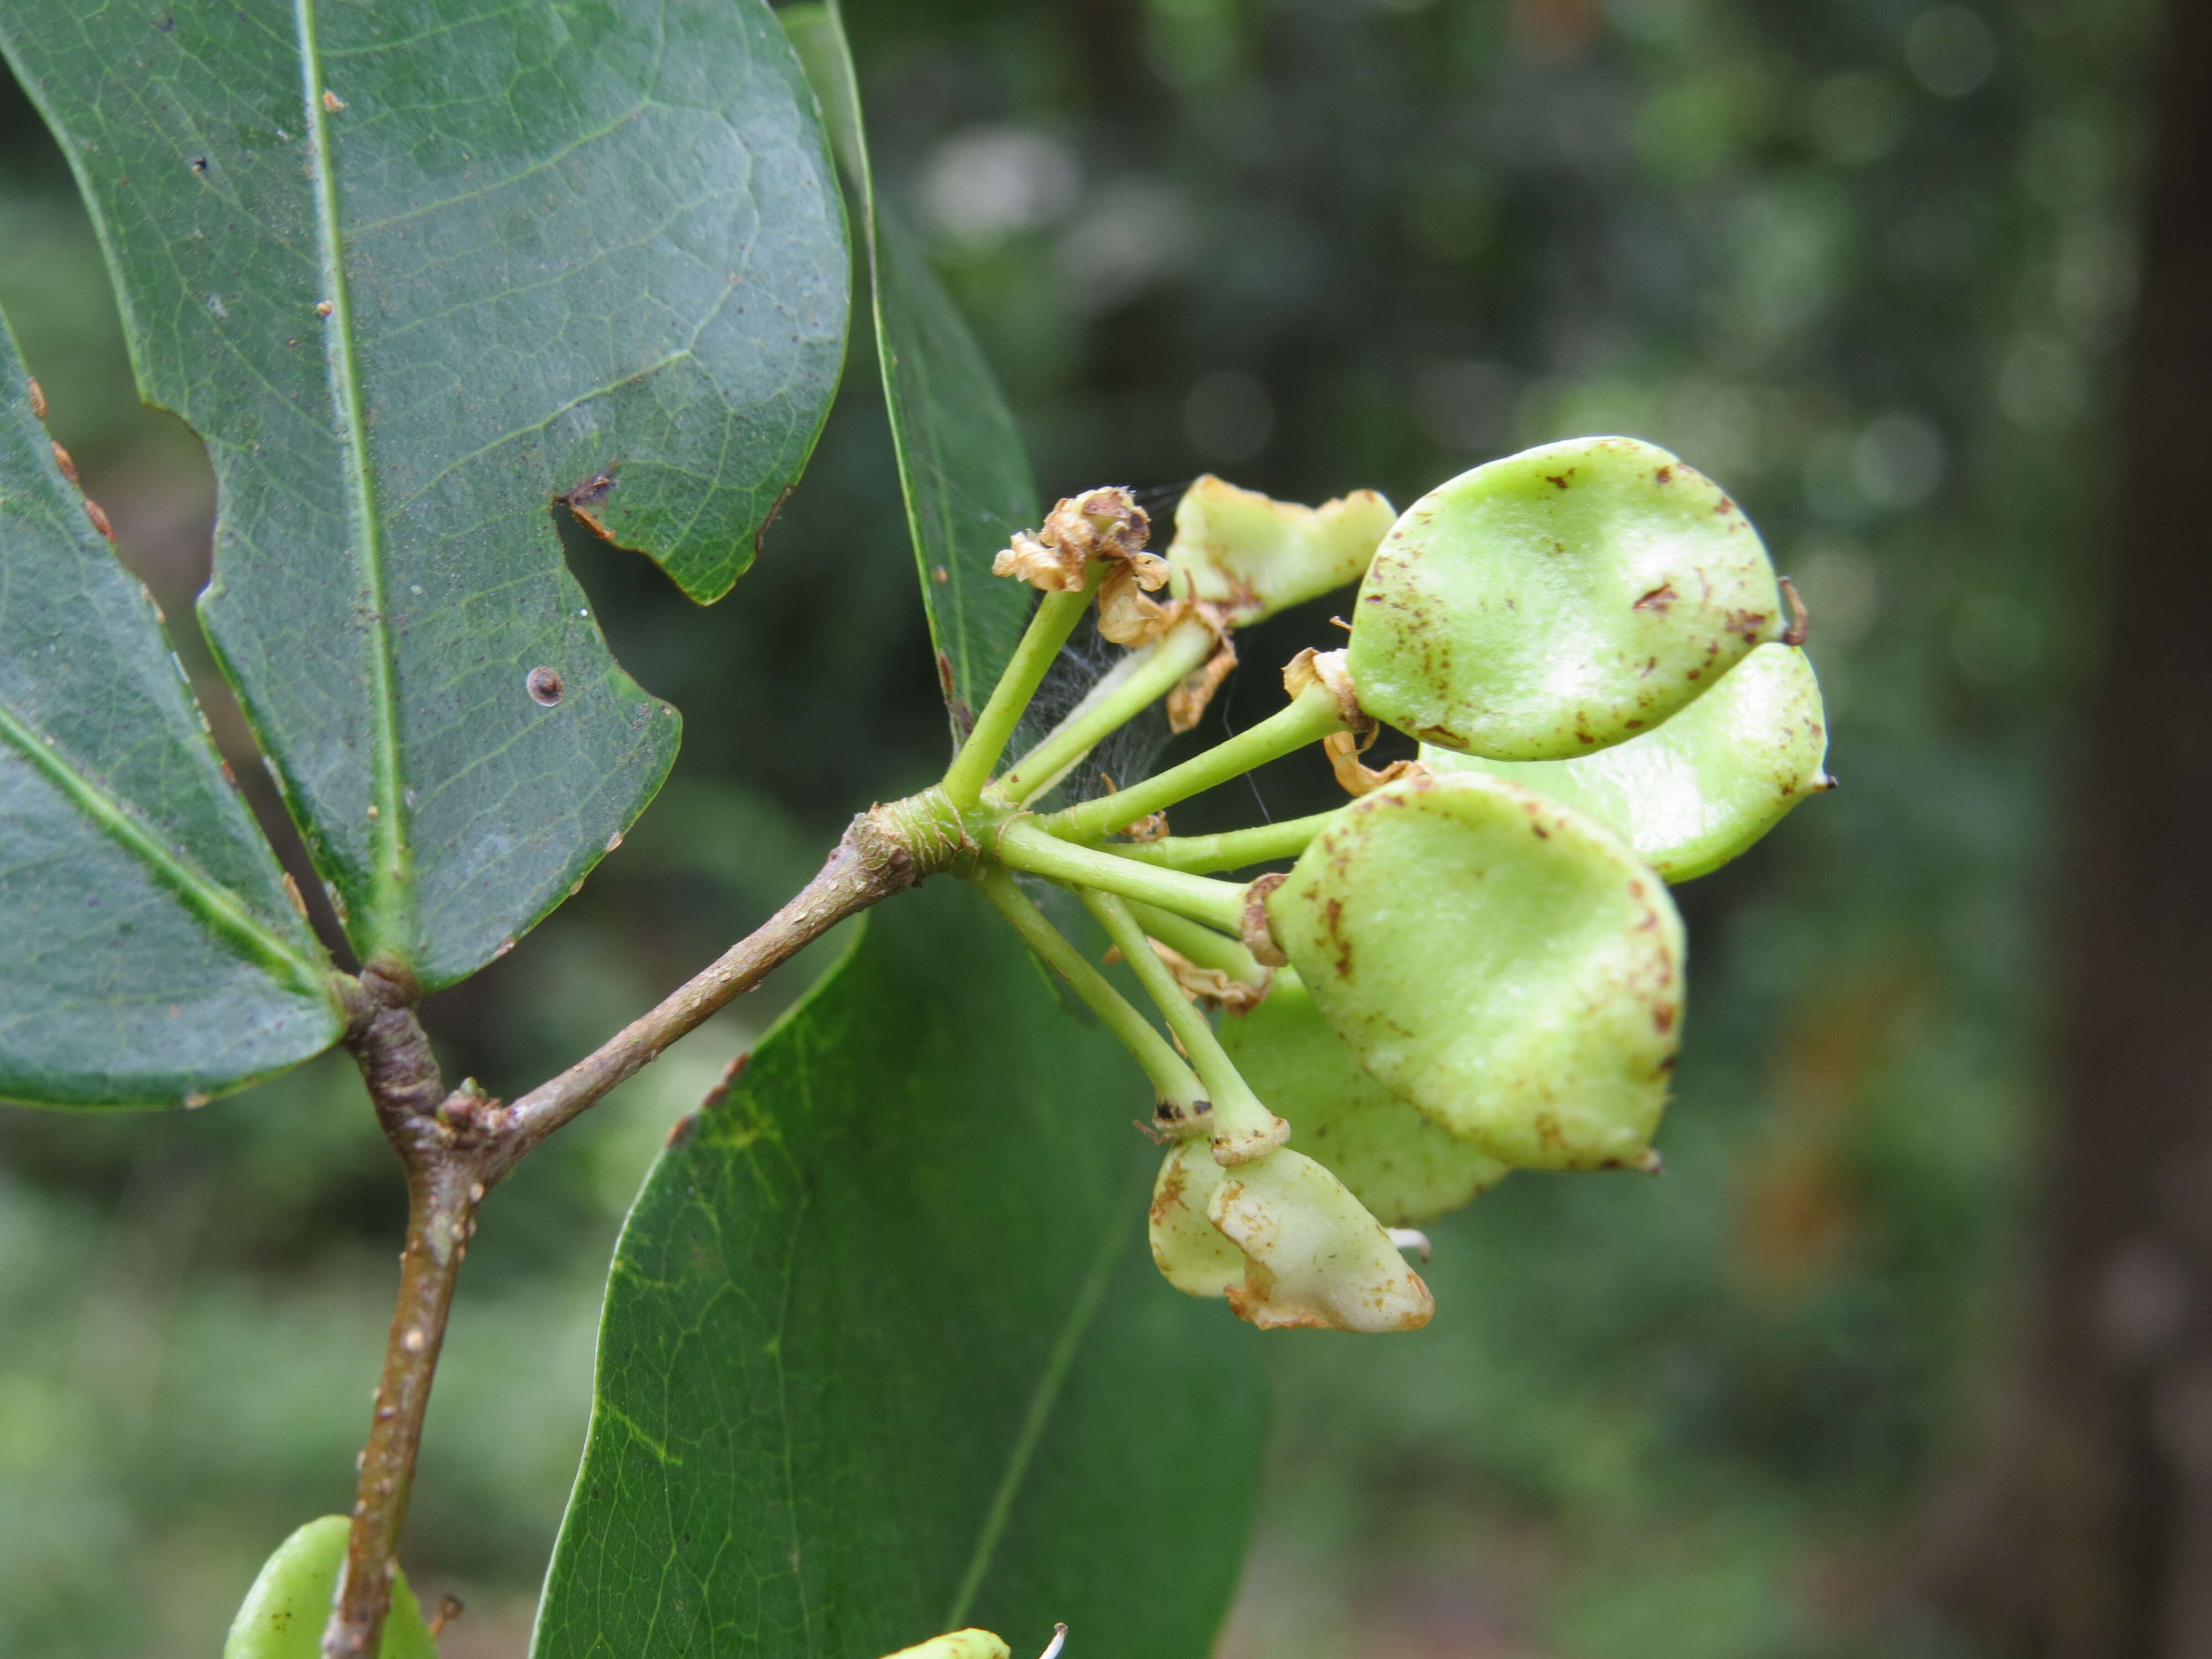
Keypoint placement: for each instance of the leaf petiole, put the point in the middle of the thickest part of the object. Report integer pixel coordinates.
(1200, 943)
(1172, 1080)
(1311, 715)
(1126, 689)
(1050, 624)
(1242, 1127)
(1232, 849)
(1025, 844)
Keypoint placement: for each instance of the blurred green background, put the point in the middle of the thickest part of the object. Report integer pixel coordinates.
(1867, 262)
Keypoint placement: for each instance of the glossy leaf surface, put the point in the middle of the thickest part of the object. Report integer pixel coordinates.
(962, 462)
(414, 270)
(152, 956)
(1500, 960)
(1558, 600)
(1400, 1163)
(1709, 783)
(283, 1613)
(883, 1355)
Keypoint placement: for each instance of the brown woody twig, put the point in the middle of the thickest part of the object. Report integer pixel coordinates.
(456, 1145)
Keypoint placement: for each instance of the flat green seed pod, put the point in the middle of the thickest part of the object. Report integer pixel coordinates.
(1703, 787)
(283, 1614)
(1501, 961)
(1401, 1165)
(1253, 555)
(958, 1645)
(1558, 600)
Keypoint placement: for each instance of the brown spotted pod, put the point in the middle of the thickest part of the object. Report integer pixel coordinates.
(1558, 600)
(1398, 1162)
(1501, 961)
(1704, 786)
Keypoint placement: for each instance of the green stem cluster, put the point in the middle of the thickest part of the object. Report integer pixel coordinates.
(1137, 891)
(456, 1144)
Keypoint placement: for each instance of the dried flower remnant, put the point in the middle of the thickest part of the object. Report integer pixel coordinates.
(1029, 558)
(1353, 775)
(1126, 615)
(1187, 704)
(1212, 987)
(1099, 524)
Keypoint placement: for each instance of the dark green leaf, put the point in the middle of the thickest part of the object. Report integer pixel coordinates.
(884, 1352)
(414, 270)
(966, 475)
(151, 954)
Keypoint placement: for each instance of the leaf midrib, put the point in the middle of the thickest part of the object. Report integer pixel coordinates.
(206, 897)
(389, 925)
(1038, 1418)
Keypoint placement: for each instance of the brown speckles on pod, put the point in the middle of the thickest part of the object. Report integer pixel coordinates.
(545, 687)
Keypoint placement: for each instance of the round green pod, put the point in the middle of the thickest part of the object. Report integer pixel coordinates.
(1558, 600)
(1703, 787)
(1501, 961)
(283, 1614)
(1401, 1165)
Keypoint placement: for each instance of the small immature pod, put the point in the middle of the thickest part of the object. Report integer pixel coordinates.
(1397, 1162)
(283, 1614)
(1284, 1241)
(1190, 1251)
(958, 1645)
(1559, 600)
(1251, 556)
(1313, 1257)
(1709, 783)
(1501, 961)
